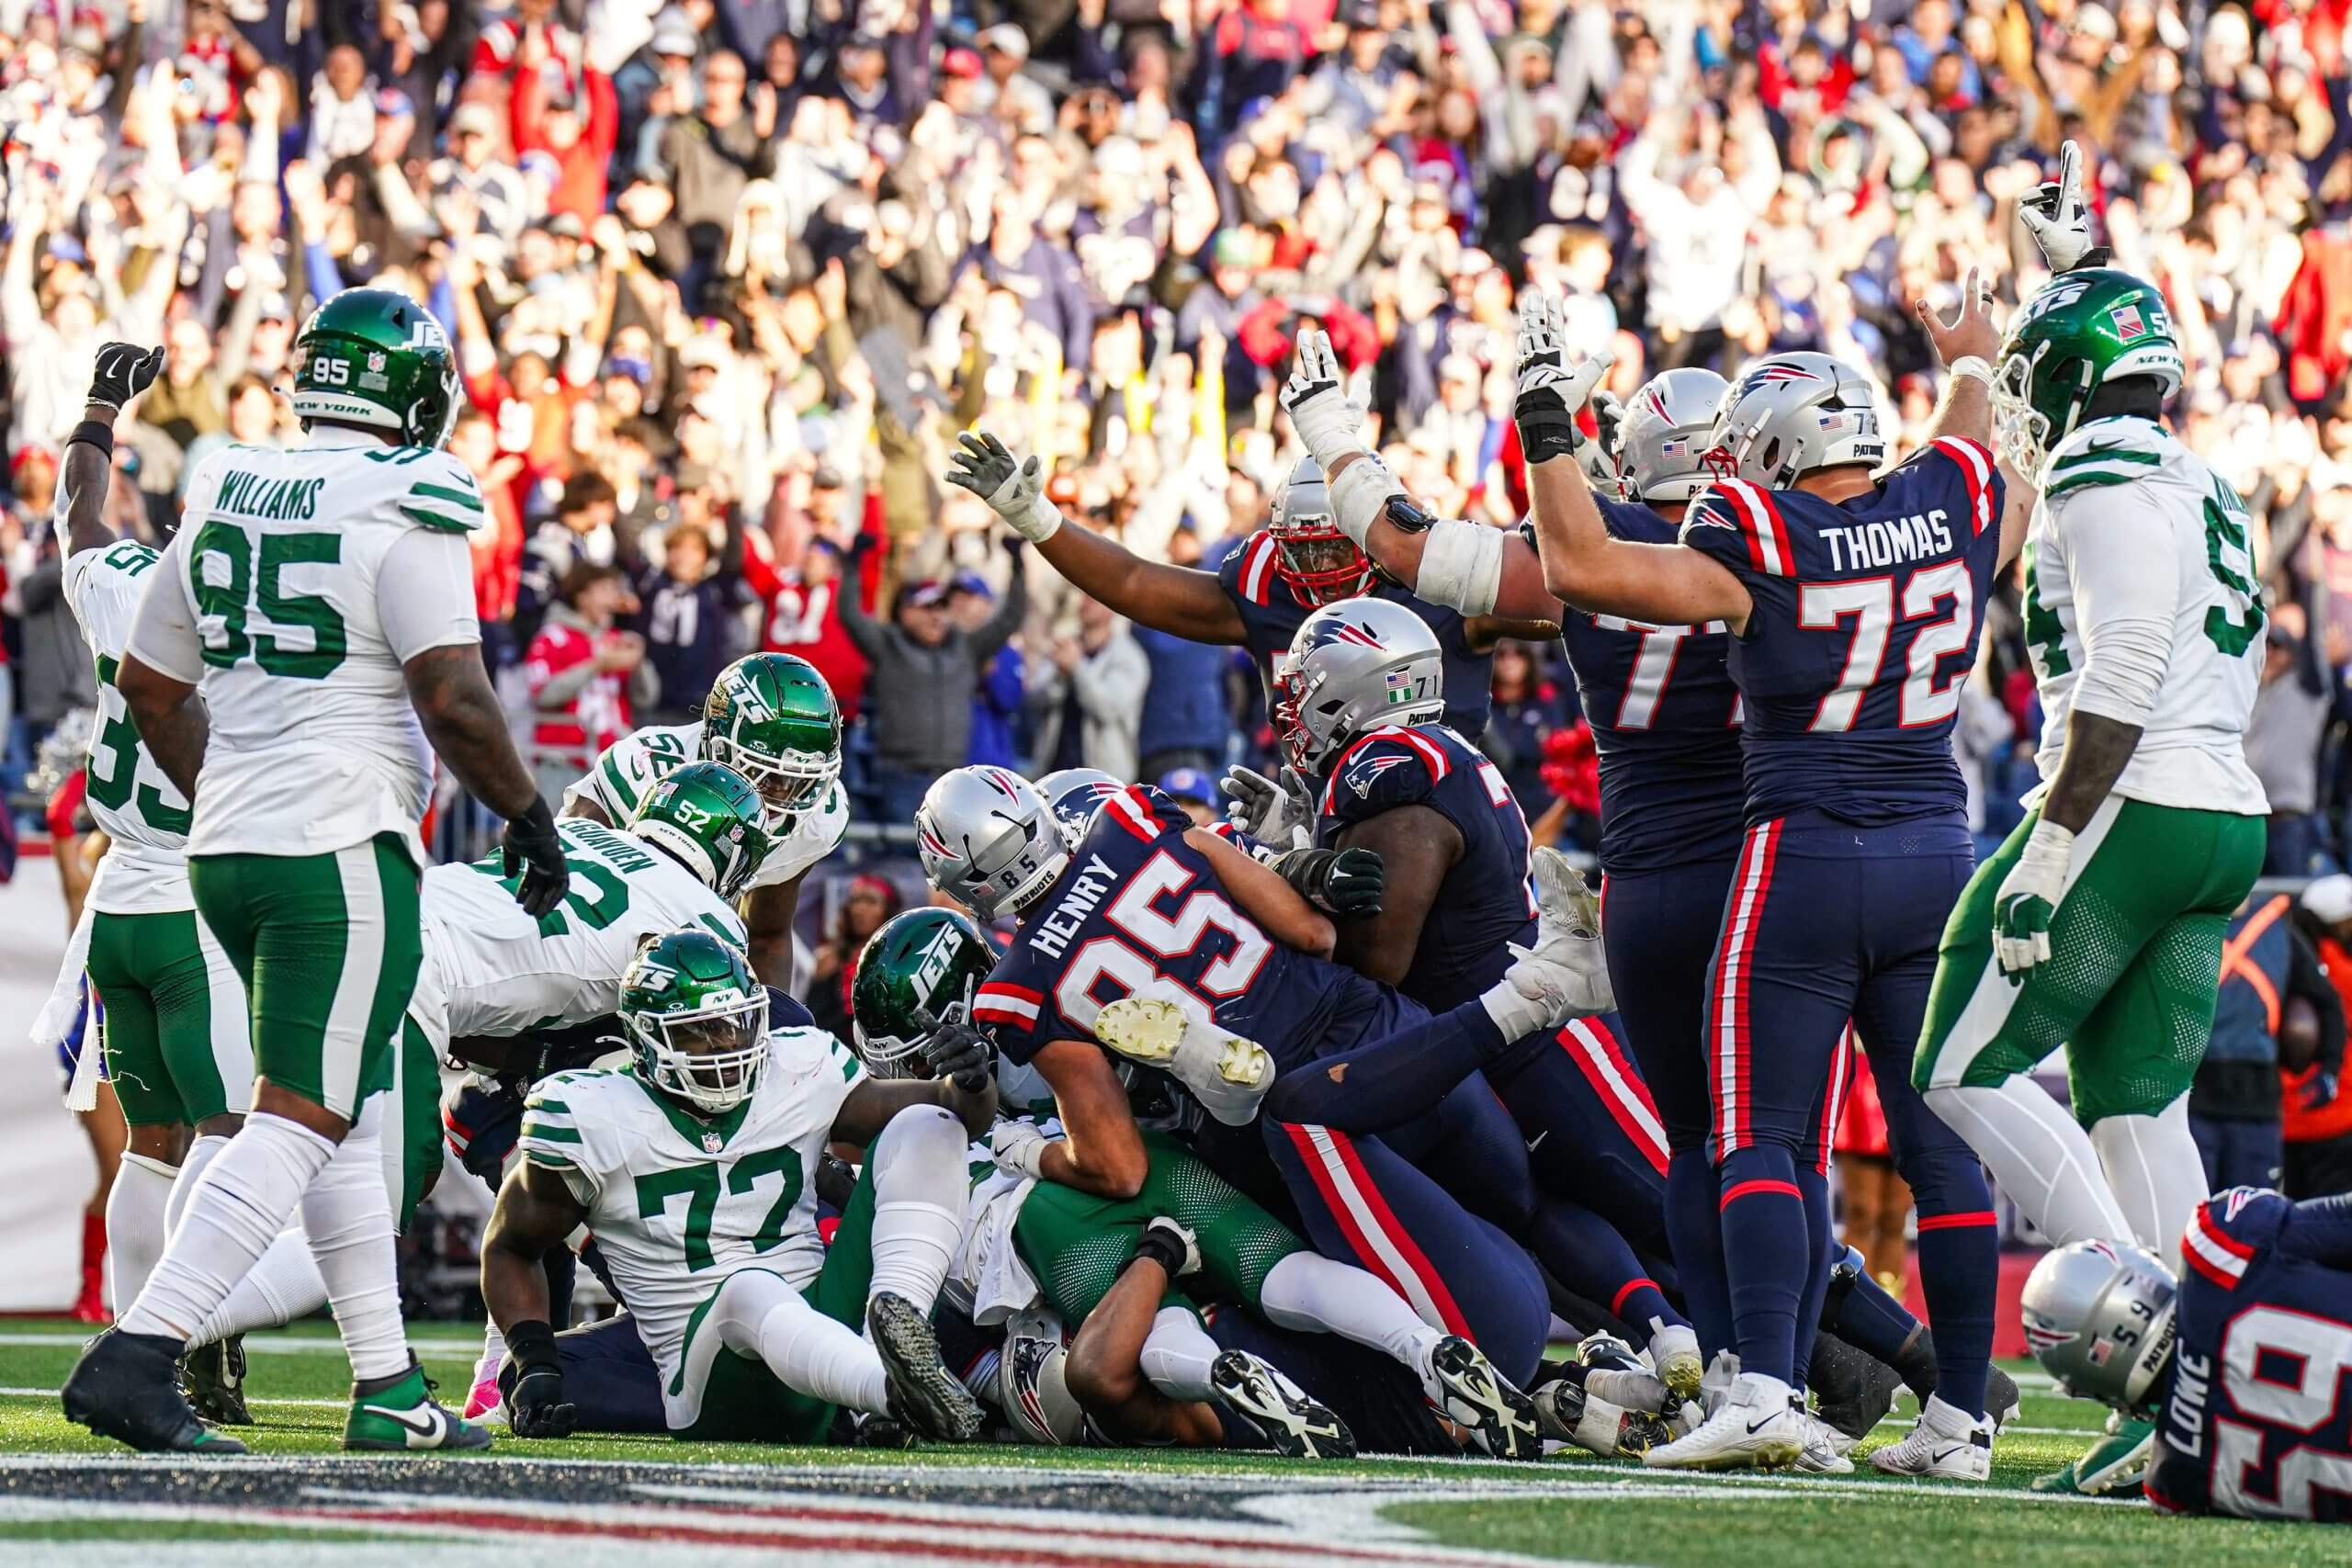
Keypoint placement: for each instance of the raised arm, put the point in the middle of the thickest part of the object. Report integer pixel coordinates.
(1965, 346)
(1179, 600)
(124, 370)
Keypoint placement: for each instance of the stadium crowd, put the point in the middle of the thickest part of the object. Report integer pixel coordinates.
(727, 276)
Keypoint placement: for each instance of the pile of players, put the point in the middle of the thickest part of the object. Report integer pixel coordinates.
(1306, 1129)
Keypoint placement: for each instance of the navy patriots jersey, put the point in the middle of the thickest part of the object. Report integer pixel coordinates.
(1484, 901)
(1272, 615)
(1665, 718)
(1136, 903)
(2258, 1421)
(1865, 626)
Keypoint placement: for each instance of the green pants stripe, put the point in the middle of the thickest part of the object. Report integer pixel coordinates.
(2135, 957)
(328, 946)
(177, 1046)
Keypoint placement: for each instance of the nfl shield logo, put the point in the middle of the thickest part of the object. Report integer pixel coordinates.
(2128, 324)
(376, 362)
(712, 1143)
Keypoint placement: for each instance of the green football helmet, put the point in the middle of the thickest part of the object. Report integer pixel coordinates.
(910, 973)
(695, 1020)
(372, 356)
(772, 718)
(2084, 328)
(710, 818)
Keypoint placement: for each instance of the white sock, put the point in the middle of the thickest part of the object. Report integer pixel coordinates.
(349, 1222)
(2154, 1170)
(1177, 1355)
(250, 1190)
(1307, 1291)
(919, 1187)
(758, 1314)
(136, 1224)
(494, 1353)
(2041, 1158)
(283, 1285)
(200, 1155)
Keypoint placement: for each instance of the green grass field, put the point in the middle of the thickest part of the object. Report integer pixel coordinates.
(1573, 1510)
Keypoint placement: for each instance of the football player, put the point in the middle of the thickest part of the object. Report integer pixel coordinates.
(1171, 946)
(320, 598)
(2239, 1362)
(1853, 599)
(695, 1171)
(1031, 1241)
(770, 718)
(178, 1047)
(1257, 598)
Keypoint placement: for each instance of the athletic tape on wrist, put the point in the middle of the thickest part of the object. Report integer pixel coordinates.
(1360, 493)
(1462, 566)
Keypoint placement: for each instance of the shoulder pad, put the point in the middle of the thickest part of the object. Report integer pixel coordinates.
(1144, 812)
(1971, 462)
(2228, 1229)
(441, 494)
(2111, 452)
(1248, 574)
(1387, 768)
(1738, 524)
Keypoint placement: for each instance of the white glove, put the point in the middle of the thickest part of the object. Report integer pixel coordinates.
(1015, 491)
(2056, 216)
(1020, 1148)
(1543, 355)
(2028, 900)
(1316, 399)
(1270, 811)
(1598, 457)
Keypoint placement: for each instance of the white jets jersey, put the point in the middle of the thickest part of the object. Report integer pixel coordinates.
(2125, 485)
(496, 971)
(313, 746)
(636, 762)
(145, 869)
(678, 1203)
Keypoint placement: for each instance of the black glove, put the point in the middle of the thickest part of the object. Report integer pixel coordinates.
(1338, 882)
(958, 1051)
(2320, 1092)
(536, 1407)
(1169, 1245)
(836, 1180)
(124, 371)
(533, 849)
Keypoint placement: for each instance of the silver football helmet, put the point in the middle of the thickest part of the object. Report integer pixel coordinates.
(2098, 1316)
(1354, 666)
(1074, 796)
(1321, 564)
(1663, 441)
(988, 839)
(1788, 414)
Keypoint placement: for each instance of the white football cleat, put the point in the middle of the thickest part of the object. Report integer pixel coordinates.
(1225, 1073)
(1822, 1454)
(1674, 1351)
(1760, 1425)
(1948, 1444)
(1565, 970)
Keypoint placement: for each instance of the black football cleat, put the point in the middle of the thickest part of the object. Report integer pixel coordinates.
(924, 1396)
(1293, 1421)
(124, 1387)
(213, 1380)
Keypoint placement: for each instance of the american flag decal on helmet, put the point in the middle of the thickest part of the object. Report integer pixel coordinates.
(2128, 322)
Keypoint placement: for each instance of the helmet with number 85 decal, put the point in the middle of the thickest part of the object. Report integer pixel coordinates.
(988, 839)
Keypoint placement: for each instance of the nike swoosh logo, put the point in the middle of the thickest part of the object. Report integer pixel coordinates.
(1756, 1426)
(1942, 1454)
(423, 1427)
(1537, 1139)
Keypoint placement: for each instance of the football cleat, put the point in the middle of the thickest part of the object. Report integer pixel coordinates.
(213, 1380)
(1297, 1426)
(1575, 1413)
(1225, 1073)
(2000, 1398)
(924, 1396)
(484, 1398)
(1825, 1450)
(1611, 1371)
(1467, 1390)
(1565, 971)
(1761, 1425)
(124, 1388)
(1674, 1351)
(1946, 1445)
(2115, 1466)
(401, 1416)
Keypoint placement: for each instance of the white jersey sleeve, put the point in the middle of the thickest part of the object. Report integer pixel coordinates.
(145, 869)
(618, 779)
(815, 834)
(2139, 574)
(426, 593)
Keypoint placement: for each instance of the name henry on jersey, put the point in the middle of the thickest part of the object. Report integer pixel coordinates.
(1889, 541)
(1051, 935)
(274, 501)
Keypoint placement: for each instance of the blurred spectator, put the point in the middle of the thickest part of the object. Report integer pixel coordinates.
(1090, 695)
(867, 904)
(1196, 791)
(688, 615)
(1529, 706)
(2282, 746)
(586, 677)
(1000, 705)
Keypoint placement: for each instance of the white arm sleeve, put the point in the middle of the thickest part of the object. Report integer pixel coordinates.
(164, 637)
(1462, 566)
(2126, 595)
(425, 593)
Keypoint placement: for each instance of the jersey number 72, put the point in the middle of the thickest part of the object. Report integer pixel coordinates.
(1871, 603)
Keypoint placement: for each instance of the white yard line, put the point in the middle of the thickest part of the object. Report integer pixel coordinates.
(263, 1344)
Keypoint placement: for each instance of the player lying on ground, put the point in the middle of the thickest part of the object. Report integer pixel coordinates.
(692, 1171)
(2238, 1363)
(307, 645)
(772, 718)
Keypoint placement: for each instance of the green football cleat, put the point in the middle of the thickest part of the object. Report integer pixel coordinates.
(2115, 1466)
(400, 1417)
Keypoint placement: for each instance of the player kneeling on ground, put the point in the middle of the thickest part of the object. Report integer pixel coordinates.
(694, 1170)
(2239, 1362)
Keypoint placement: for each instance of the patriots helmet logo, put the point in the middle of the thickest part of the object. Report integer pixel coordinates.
(1362, 777)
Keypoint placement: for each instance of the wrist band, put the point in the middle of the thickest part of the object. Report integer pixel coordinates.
(1973, 366)
(96, 433)
(533, 1343)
